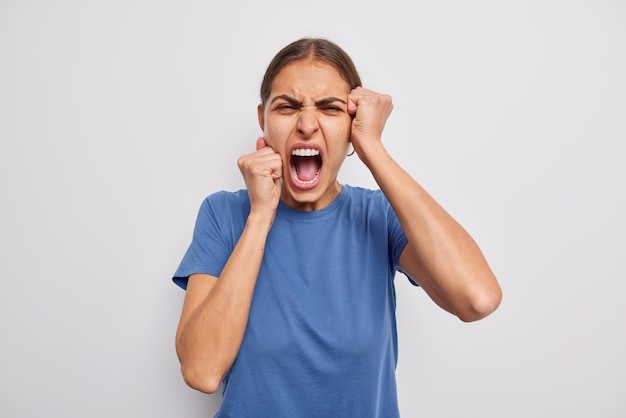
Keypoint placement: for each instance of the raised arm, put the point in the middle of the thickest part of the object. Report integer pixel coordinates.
(441, 256)
(215, 311)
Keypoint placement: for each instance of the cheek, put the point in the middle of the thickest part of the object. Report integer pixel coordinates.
(338, 132)
(278, 127)
(338, 148)
(271, 132)
(345, 127)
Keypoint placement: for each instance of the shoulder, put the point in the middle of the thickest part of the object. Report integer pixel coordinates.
(371, 204)
(360, 192)
(223, 205)
(227, 200)
(364, 197)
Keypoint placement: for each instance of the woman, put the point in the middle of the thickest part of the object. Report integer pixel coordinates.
(290, 300)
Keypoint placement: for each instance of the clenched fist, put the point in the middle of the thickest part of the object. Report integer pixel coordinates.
(261, 171)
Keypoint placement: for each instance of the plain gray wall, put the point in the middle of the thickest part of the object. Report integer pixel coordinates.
(118, 117)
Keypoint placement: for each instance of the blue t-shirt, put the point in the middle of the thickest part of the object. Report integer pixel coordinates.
(321, 336)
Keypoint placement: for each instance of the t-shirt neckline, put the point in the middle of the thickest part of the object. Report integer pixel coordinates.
(286, 211)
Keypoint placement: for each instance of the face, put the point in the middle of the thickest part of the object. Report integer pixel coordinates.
(305, 120)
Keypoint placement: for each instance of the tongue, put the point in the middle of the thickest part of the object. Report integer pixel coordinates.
(306, 168)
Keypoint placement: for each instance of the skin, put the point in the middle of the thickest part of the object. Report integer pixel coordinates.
(310, 105)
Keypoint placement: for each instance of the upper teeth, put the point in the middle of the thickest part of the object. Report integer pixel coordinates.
(305, 152)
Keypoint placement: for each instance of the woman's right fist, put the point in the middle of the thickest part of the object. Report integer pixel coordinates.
(261, 171)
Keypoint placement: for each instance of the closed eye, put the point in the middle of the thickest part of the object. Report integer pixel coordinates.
(287, 105)
(331, 109)
(331, 105)
(286, 108)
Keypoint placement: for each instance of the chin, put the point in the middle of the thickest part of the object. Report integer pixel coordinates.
(308, 198)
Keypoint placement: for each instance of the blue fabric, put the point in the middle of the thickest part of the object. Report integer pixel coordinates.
(321, 337)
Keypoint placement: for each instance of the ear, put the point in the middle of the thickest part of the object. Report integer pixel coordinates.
(261, 117)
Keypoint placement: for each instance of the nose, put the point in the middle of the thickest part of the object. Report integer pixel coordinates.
(307, 121)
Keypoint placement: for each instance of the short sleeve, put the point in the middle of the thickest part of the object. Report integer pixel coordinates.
(212, 241)
(397, 240)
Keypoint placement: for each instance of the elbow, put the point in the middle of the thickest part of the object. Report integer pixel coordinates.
(480, 305)
(201, 380)
(199, 373)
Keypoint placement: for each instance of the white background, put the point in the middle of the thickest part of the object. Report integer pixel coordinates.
(118, 117)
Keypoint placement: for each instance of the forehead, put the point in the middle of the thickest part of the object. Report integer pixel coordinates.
(309, 78)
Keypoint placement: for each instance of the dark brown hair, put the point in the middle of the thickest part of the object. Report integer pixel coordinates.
(316, 49)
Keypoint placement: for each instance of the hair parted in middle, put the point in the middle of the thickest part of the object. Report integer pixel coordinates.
(316, 49)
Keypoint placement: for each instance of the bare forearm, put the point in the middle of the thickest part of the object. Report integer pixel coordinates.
(211, 337)
(451, 260)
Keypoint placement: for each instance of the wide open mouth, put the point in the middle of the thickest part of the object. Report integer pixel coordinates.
(306, 164)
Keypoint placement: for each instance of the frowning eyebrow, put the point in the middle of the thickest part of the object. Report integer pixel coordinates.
(297, 103)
